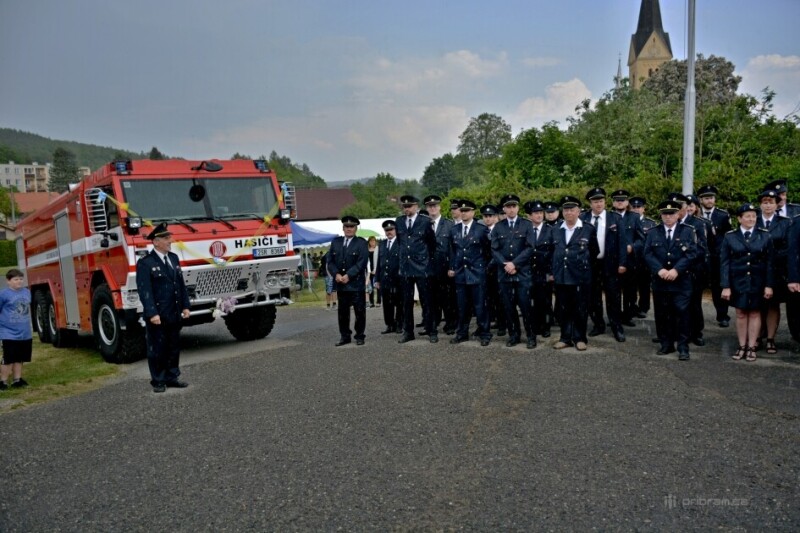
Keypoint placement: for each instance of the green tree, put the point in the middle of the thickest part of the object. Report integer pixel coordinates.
(715, 81)
(299, 174)
(484, 137)
(156, 155)
(442, 174)
(63, 171)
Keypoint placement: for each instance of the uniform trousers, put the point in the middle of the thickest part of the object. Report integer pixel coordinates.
(494, 302)
(629, 290)
(572, 311)
(163, 352)
(610, 285)
(643, 286)
(696, 320)
(513, 294)
(672, 317)
(720, 305)
(443, 300)
(542, 309)
(472, 298)
(357, 301)
(424, 301)
(392, 307)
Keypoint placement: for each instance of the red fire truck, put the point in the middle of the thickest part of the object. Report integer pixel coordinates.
(231, 230)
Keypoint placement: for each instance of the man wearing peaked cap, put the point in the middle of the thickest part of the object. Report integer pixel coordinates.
(441, 288)
(347, 263)
(670, 250)
(165, 302)
(721, 224)
(455, 214)
(494, 303)
(417, 243)
(642, 282)
(541, 269)
(634, 233)
(785, 209)
(388, 280)
(609, 266)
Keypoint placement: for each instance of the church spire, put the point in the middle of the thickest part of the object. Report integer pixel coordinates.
(649, 23)
(650, 45)
(618, 77)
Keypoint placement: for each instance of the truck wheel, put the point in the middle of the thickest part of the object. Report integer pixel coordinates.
(40, 315)
(251, 324)
(116, 346)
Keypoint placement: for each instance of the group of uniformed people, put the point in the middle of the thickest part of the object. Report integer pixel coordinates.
(504, 269)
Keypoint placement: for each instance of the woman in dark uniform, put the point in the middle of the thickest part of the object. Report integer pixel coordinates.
(746, 277)
(778, 229)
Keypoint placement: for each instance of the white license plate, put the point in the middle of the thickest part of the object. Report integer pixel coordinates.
(269, 252)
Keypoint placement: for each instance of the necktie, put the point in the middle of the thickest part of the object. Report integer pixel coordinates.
(466, 230)
(346, 243)
(669, 235)
(166, 262)
(767, 223)
(708, 215)
(747, 235)
(535, 235)
(511, 224)
(596, 221)
(388, 245)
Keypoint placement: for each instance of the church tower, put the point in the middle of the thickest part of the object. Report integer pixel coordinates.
(650, 46)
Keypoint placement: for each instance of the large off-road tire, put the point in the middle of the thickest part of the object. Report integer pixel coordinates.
(115, 345)
(40, 314)
(252, 323)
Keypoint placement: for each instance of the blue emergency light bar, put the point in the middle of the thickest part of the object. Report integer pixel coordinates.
(261, 165)
(123, 167)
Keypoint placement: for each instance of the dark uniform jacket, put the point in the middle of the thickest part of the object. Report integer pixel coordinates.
(417, 246)
(638, 246)
(512, 246)
(572, 261)
(440, 260)
(162, 290)
(721, 221)
(634, 231)
(388, 271)
(470, 255)
(779, 234)
(542, 256)
(351, 261)
(701, 264)
(680, 253)
(793, 255)
(746, 267)
(615, 253)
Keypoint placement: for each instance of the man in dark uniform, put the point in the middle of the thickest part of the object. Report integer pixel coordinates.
(552, 214)
(670, 250)
(417, 245)
(541, 269)
(642, 271)
(793, 278)
(494, 303)
(785, 209)
(574, 251)
(511, 251)
(610, 264)
(721, 222)
(348, 266)
(440, 286)
(469, 257)
(634, 234)
(163, 294)
(388, 281)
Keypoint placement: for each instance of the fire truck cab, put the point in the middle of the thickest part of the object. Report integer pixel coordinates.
(231, 231)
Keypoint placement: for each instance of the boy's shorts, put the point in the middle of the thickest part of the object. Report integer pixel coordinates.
(17, 351)
(329, 285)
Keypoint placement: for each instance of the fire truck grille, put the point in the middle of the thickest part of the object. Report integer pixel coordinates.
(217, 282)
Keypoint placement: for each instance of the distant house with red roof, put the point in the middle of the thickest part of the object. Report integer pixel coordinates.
(322, 204)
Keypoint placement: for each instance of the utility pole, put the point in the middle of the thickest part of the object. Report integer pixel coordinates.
(689, 111)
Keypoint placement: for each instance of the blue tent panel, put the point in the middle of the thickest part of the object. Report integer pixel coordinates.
(302, 236)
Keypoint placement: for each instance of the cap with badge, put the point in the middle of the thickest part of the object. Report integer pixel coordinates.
(389, 225)
(569, 201)
(671, 206)
(466, 205)
(454, 203)
(596, 193)
(509, 199)
(488, 210)
(620, 194)
(350, 220)
(744, 208)
(777, 185)
(533, 206)
(408, 200)
(432, 200)
(771, 193)
(159, 231)
(637, 201)
(550, 207)
(676, 197)
(692, 199)
(707, 190)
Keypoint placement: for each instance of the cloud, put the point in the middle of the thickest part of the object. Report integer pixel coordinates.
(773, 62)
(781, 74)
(540, 62)
(559, 102)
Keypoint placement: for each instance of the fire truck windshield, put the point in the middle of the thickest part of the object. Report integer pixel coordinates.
(168, 199)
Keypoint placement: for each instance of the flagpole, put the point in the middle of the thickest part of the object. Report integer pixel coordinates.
(689, 110)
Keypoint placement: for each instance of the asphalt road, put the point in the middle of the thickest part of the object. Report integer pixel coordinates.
(290, 433)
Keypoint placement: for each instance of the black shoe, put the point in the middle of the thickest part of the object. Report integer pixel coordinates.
(359, 342)
(619, 336)
(449, 330)
(699, 341)
(423, 333)
(546, 334)
(159, 387)
(387, 330)
(655, 339)
(724, 323)
(458, 340)
(641, 314)
(485, 342)
(434, 338)
(501, 333)
(20, 383)
(420, 325)
(596, 331)
(177, 384)
(683, 356)
(3, 385)
(513, 341)
(665, 350)
(531, 343)
(405, 338)
(630, 323)
(342, 342)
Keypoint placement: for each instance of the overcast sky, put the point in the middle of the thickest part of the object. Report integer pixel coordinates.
(352, 88)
